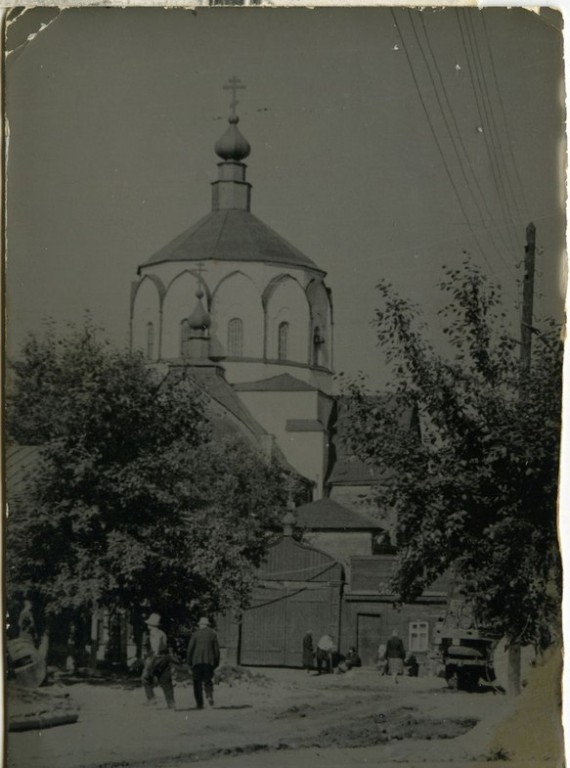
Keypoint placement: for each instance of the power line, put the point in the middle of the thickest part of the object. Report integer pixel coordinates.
(435, 138)
(486, 116)
(450, 130)
(526, 206)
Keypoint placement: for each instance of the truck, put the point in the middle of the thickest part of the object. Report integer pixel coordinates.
(466, 650)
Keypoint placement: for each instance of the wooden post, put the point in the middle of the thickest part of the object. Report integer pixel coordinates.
(514, 658)
(527, 307)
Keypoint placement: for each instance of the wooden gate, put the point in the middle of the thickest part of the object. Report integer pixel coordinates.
(304, 594)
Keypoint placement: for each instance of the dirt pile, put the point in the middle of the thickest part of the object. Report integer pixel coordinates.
(231, 674)
(31, 709)
(396, 725)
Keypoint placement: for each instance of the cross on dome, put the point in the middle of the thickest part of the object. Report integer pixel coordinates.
(233, 86)
(232, 146)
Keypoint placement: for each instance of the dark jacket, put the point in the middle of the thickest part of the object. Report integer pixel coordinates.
(395, 648)
(308, 650)
(203, 648)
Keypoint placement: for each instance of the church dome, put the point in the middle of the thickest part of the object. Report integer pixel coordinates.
(232, 235)
(199, 319)
(233, 145)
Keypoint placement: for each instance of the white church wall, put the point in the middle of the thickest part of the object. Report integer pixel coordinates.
(287, 304)
(237, 297)
(179, 302)
(146, 319)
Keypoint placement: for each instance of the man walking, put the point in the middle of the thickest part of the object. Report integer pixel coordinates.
(157, 664)
(203, 657)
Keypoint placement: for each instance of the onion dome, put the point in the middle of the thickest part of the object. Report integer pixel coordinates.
(199, 319)
(233, 145)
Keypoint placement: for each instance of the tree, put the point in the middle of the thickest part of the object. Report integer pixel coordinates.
(134, 502)
(478, 491)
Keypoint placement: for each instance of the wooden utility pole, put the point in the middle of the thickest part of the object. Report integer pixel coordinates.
(514, 673)
(528, 299)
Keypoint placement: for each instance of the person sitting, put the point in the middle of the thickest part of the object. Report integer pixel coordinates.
(411, 663)
(352, 658)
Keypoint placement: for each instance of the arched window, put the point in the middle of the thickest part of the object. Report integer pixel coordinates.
(318, 341)
(149, 341)
(282, 339)
(235, 337)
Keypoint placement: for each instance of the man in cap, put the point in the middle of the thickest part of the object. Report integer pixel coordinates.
(157, 665)
(203, 657)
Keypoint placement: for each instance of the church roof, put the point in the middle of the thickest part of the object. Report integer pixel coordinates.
(219, 390)
(232, 235)
(282, 383)
(326, 514)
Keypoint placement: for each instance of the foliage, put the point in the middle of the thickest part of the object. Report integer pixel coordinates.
(478, 491)
(134, 502)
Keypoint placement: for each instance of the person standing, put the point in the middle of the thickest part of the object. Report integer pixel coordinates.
(157, 665)
(26, 623)
(325, 650)
(203, 657)
(308, 651)
(395, 655)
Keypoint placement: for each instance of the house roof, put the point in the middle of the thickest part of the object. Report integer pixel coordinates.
(284, 382)
(21, 462)
(327, 514)
(290, 560)
(349, 469)
(232, 235)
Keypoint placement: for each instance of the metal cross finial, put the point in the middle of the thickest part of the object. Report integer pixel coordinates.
(234, 86)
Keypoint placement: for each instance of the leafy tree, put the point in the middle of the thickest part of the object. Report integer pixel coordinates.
(134, 502)
(478, 491)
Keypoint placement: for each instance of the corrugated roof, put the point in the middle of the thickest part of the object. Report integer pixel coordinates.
(326, 514)
(21, 462)
(284, 382)
(232, 235)
(289, 560)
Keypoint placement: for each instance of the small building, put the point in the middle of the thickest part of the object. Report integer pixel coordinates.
(371, 611)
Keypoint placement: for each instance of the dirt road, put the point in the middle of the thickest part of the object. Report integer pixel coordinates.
(273, 712)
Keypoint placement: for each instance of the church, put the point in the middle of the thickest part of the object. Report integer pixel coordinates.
(251, 317)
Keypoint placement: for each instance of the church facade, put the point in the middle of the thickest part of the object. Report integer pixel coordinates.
(232, 296)
(251, 317)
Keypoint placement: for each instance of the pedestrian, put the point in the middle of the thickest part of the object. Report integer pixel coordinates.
(203, 657)
(395, 655)
(26, 623)
(308, 651)
(157, 668)
(381, 662)
(325, 648)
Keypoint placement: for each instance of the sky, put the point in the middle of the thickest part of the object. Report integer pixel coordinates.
(385, 144)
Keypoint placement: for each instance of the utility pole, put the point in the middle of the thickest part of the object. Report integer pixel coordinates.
(528, 299)
(514, 673)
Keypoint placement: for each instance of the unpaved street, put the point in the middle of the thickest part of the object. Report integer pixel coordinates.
(276, 710)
